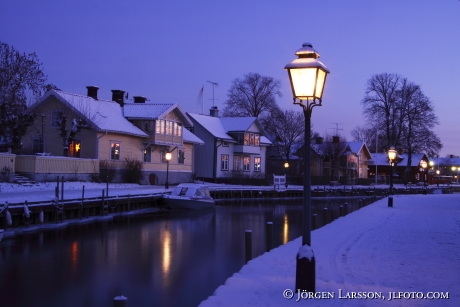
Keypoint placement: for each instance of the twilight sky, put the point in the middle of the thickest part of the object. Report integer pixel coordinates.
(167, 50)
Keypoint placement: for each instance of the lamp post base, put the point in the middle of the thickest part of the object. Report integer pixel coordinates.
(305, 276)
(390, 201)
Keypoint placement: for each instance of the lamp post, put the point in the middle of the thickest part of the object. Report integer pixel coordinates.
(168, 157)
(424, 165)
(307, 76)
(286, 166)
(392, 153)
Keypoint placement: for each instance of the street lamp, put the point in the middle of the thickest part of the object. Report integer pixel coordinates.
(286, 166)
(424, 165)
(392, 153)
(307, 76)
(168, 157)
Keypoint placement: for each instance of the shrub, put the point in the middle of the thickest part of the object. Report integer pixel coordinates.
(107, 170)
(133, 170)
(5, 174)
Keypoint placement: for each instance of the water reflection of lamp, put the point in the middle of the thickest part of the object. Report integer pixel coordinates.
(307, 76)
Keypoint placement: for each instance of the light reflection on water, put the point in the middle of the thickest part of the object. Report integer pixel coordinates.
(167, 259)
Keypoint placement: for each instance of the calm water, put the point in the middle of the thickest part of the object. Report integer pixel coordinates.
(164, 259)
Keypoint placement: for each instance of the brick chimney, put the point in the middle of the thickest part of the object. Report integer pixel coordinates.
(318, 140)
(139, 99)
(92, 91)
(214, 112)
(335, 139)
(118, 96)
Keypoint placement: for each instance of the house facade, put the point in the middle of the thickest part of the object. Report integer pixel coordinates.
(232, 146)
(114, 131)
(380, 166)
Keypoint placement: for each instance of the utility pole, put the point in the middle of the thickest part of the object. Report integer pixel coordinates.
(213, 84)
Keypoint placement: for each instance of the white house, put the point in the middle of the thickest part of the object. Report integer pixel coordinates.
(231, 144)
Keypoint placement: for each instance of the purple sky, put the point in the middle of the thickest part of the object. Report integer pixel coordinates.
(167, 50)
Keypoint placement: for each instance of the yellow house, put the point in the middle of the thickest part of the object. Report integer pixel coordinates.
(114, 131)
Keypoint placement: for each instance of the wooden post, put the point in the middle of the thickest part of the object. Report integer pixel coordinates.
(62, 187)
(56, 190)
(107, 187)
(325, 216)
(313, 222)
(345, 209)
(120, 301)
(269, 235)
(248, 245)
(340, 210)
(103, 205)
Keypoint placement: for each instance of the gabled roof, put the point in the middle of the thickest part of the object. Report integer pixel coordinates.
(356, 147)
(212, 124)
(103, 115)
(220, 126)
(154, 111)
(382, 159)
(191, 138)
(239, 124)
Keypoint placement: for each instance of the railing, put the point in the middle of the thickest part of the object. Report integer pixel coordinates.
(56, 165)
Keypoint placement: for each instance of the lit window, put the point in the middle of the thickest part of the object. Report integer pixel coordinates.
(114, 150)
(75, 148)
(148, 154)
(257, 140)
(257, 164)
(224, 163)
(246, 139)
(246, 164)
(251, 139)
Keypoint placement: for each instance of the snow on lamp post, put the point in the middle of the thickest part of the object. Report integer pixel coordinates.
(307, 76)
(168, 157)
(392, 153)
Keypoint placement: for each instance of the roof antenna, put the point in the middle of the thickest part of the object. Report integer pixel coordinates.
(213, 83)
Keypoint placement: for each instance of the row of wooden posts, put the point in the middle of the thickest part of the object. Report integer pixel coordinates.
(326, 219)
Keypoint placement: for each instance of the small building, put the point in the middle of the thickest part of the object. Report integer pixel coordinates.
(380, 165)
(233, 146)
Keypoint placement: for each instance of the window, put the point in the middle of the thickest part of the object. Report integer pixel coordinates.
(181, 156)
(160, 126)
(257, 140)
(56, 116)
(251, 139)
(177, 129)
(224, 144)
(114, 150)
(148, 154)
(257, 164)
(236, 163)
(246, 164)
(224, 163)
(169, 127)
(75, 148)
(246, 139)
(148, 126)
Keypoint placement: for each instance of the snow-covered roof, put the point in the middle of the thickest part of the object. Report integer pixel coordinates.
(356, 147)
(233, 124)
(154, 111)
(212, 124)
(382, 159)
(191, 138)
(447, 161)
(104, 115)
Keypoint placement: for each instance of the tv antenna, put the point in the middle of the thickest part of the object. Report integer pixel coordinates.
(336, 128)
(213, 83)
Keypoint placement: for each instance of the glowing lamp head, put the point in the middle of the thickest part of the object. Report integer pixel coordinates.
(392, 154)
(286, 164)
(423, 164)
(168, 156)
(307, 75)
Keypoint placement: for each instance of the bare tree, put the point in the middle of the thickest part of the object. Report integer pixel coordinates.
(285, 130)
(252, 96)
(332, 149)
(20, 74)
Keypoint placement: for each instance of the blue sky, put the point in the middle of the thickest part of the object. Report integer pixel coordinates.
(167, 50)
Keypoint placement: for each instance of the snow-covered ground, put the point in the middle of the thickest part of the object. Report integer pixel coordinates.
(401, 256)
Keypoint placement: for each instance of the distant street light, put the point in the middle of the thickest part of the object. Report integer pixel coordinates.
(168, 157)
(424, 165)
(286, 167)
(307, 76)
(392, 153)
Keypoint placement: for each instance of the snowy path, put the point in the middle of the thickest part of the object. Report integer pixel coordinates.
(414, 246)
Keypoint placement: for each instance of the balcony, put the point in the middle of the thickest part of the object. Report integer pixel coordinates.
(245, 149)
